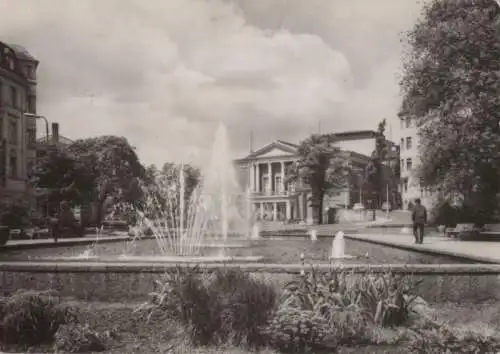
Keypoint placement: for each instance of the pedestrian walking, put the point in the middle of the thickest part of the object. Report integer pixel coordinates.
(419, 218)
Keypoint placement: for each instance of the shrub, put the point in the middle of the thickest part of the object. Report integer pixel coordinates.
(383, 299)
(300, 331)
(75, 338)
(229, 306)
(31, 318)
(455, 340)
(15, 214)
(351, 327)
(246, 304)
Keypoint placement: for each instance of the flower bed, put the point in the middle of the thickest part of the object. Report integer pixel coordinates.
(231, 312)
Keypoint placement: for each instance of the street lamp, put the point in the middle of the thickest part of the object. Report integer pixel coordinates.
(35, 116)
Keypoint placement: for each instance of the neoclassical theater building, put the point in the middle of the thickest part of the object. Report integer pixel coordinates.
(264, 172)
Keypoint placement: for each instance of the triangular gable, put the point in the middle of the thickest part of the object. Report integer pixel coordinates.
(276, 148)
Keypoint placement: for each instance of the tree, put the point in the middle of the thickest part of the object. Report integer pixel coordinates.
(376, 176)
(59, 176)
(113, 166)
(163, 190)
(321, 166)
(450, 87)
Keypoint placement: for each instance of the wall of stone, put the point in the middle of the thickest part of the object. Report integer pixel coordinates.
(133, 282)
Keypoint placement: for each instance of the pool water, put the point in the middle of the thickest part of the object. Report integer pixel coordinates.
(280, 250)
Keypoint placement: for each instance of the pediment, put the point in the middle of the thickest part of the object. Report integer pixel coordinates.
(274, 149)
(275, 152)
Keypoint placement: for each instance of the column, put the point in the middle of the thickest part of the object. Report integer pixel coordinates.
(252, 177)
(257, 177)
(269, 178)
(275, 211)
(261, 211)
(310, 211)
(283, 178)
(288, 210)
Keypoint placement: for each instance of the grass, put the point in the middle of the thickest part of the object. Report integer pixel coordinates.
(284, 251)
(161, 336)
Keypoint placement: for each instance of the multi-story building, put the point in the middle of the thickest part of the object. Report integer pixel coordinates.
(409, 161)
(17, 131)
(263, 172)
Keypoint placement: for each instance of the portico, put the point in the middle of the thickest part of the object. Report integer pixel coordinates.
(273, 198)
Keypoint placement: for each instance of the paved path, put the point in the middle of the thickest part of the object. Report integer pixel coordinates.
(480, 251)
(27, 244)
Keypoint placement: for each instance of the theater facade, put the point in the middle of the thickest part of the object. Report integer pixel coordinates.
(274, 199)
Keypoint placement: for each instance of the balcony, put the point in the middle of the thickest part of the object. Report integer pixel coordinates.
(276, 193)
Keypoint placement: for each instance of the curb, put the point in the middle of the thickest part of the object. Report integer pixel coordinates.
(424, 249)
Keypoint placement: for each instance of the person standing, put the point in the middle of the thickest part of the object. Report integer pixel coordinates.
(419, 218)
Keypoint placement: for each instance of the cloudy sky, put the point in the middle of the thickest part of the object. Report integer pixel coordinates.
(164, 73)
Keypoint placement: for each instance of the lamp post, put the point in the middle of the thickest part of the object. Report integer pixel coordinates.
(36, 116)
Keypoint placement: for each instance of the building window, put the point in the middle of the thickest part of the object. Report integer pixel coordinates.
(408, 143)
(405, 184)
(402, 144)
(402, 165)
(11, 64)
(408, 122)
(31, 138)
(277, 184)
(13, 132)
(13, 97)
(31, 104)
(408, 164)
(402, 122)
(13, 165)
(266, 185)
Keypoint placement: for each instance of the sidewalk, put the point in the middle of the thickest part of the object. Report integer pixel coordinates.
(76, 241)
(480, 251)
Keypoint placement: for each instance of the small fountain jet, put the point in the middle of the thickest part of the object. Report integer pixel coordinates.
(338, 247)
(314, 235)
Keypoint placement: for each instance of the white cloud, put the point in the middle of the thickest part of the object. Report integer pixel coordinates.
(165, 72)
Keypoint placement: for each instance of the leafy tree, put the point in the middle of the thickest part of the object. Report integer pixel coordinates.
(113, 166)
(376, 176)
(59, 176)
(192, 176)
(15, 214)
(163, 189)
(450, 86)
(321, 166)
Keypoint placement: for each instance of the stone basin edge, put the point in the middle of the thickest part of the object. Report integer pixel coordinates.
(114, 267)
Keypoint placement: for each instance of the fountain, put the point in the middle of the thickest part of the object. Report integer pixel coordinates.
(314, 235)
(255, 235)
(186, 223)
(338, 247)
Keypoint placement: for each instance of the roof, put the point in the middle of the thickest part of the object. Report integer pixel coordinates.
(292, 145)
(62, 140)
(21, 52)
(356, 135)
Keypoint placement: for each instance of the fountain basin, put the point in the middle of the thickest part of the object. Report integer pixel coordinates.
(345, 256)
(160, 259)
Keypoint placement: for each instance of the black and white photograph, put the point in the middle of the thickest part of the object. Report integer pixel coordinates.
(250, 176)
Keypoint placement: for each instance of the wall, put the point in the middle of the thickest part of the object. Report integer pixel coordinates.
(361, 146)
(132, 282)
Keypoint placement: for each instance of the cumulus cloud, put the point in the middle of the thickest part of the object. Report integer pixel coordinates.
(164, 73)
